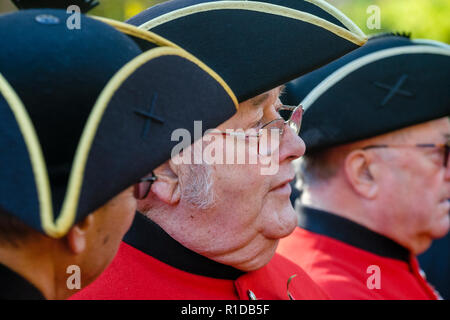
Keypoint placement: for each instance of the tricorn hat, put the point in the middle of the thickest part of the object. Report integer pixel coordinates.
(255, 45)
(390, 83)
(85, 114)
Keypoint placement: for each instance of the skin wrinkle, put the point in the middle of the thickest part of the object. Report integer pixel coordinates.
(220, 253)
(245, 253)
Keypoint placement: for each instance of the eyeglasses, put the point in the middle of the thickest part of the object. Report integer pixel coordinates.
(294, 115)
(444, 147)
(142, 189)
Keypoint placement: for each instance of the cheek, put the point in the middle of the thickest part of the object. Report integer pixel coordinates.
(403, 185)
(126, 213)
(120, 215)
(241, 186)
(424, 194)
(278, 218)
(414, 198)
(240, 198)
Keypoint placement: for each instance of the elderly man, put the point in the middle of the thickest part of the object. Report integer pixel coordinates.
(376, 177)
(66, 173)
(209, 229)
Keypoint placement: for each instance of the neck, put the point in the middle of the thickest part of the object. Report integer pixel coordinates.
(340, 201)
(34, 262)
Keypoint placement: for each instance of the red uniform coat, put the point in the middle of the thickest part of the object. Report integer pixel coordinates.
(338, 255)
(152, 265)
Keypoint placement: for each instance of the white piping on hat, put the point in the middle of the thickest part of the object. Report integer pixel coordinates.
(357, 38)
(345, 70)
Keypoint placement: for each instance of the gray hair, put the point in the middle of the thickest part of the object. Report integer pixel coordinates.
(197, 189)
(316, 167)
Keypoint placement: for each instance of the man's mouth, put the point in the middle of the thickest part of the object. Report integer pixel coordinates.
(283, 187)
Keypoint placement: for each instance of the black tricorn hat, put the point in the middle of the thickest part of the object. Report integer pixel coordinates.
(85, 114)
(255, 46)
(390, 83)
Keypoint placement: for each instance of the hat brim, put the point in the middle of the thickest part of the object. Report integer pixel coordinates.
(255, 46)
(146, 40)
(385, 86)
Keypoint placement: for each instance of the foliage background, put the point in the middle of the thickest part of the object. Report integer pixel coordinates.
(423, 18)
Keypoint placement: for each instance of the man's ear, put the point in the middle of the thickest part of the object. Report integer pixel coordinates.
(76, 238)
(167, 186)
(359, 173)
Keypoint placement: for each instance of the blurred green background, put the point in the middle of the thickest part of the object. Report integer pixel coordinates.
(423, 18)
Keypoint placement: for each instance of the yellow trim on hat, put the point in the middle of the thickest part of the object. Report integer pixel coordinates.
(354, 65)
(33, 146)
(70, 204)
(134, 31)
(163, 42)
(357, 38)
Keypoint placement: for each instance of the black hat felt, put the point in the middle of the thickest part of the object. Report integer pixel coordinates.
(255, 46)
(390, 83)
(85, 114)
(144, 39)
(84, 5)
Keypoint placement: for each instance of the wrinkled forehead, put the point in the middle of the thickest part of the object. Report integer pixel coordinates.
(252, 109)
(268, 95)
(258, 103)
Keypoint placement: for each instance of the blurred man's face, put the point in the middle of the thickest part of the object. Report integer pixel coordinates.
(250, 211)
(109, 225)
(416, 186)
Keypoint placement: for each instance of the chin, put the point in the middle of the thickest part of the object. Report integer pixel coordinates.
(442, 228)
(281, 224)
(440, 233)
(424, 246)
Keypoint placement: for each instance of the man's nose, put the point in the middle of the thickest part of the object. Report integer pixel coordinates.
(292, 146)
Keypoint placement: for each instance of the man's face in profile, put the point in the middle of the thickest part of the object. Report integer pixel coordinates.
(239, 216)
(416, 184)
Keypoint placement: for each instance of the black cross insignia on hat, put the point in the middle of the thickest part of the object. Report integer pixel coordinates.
(394, 90)
(149, 116)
